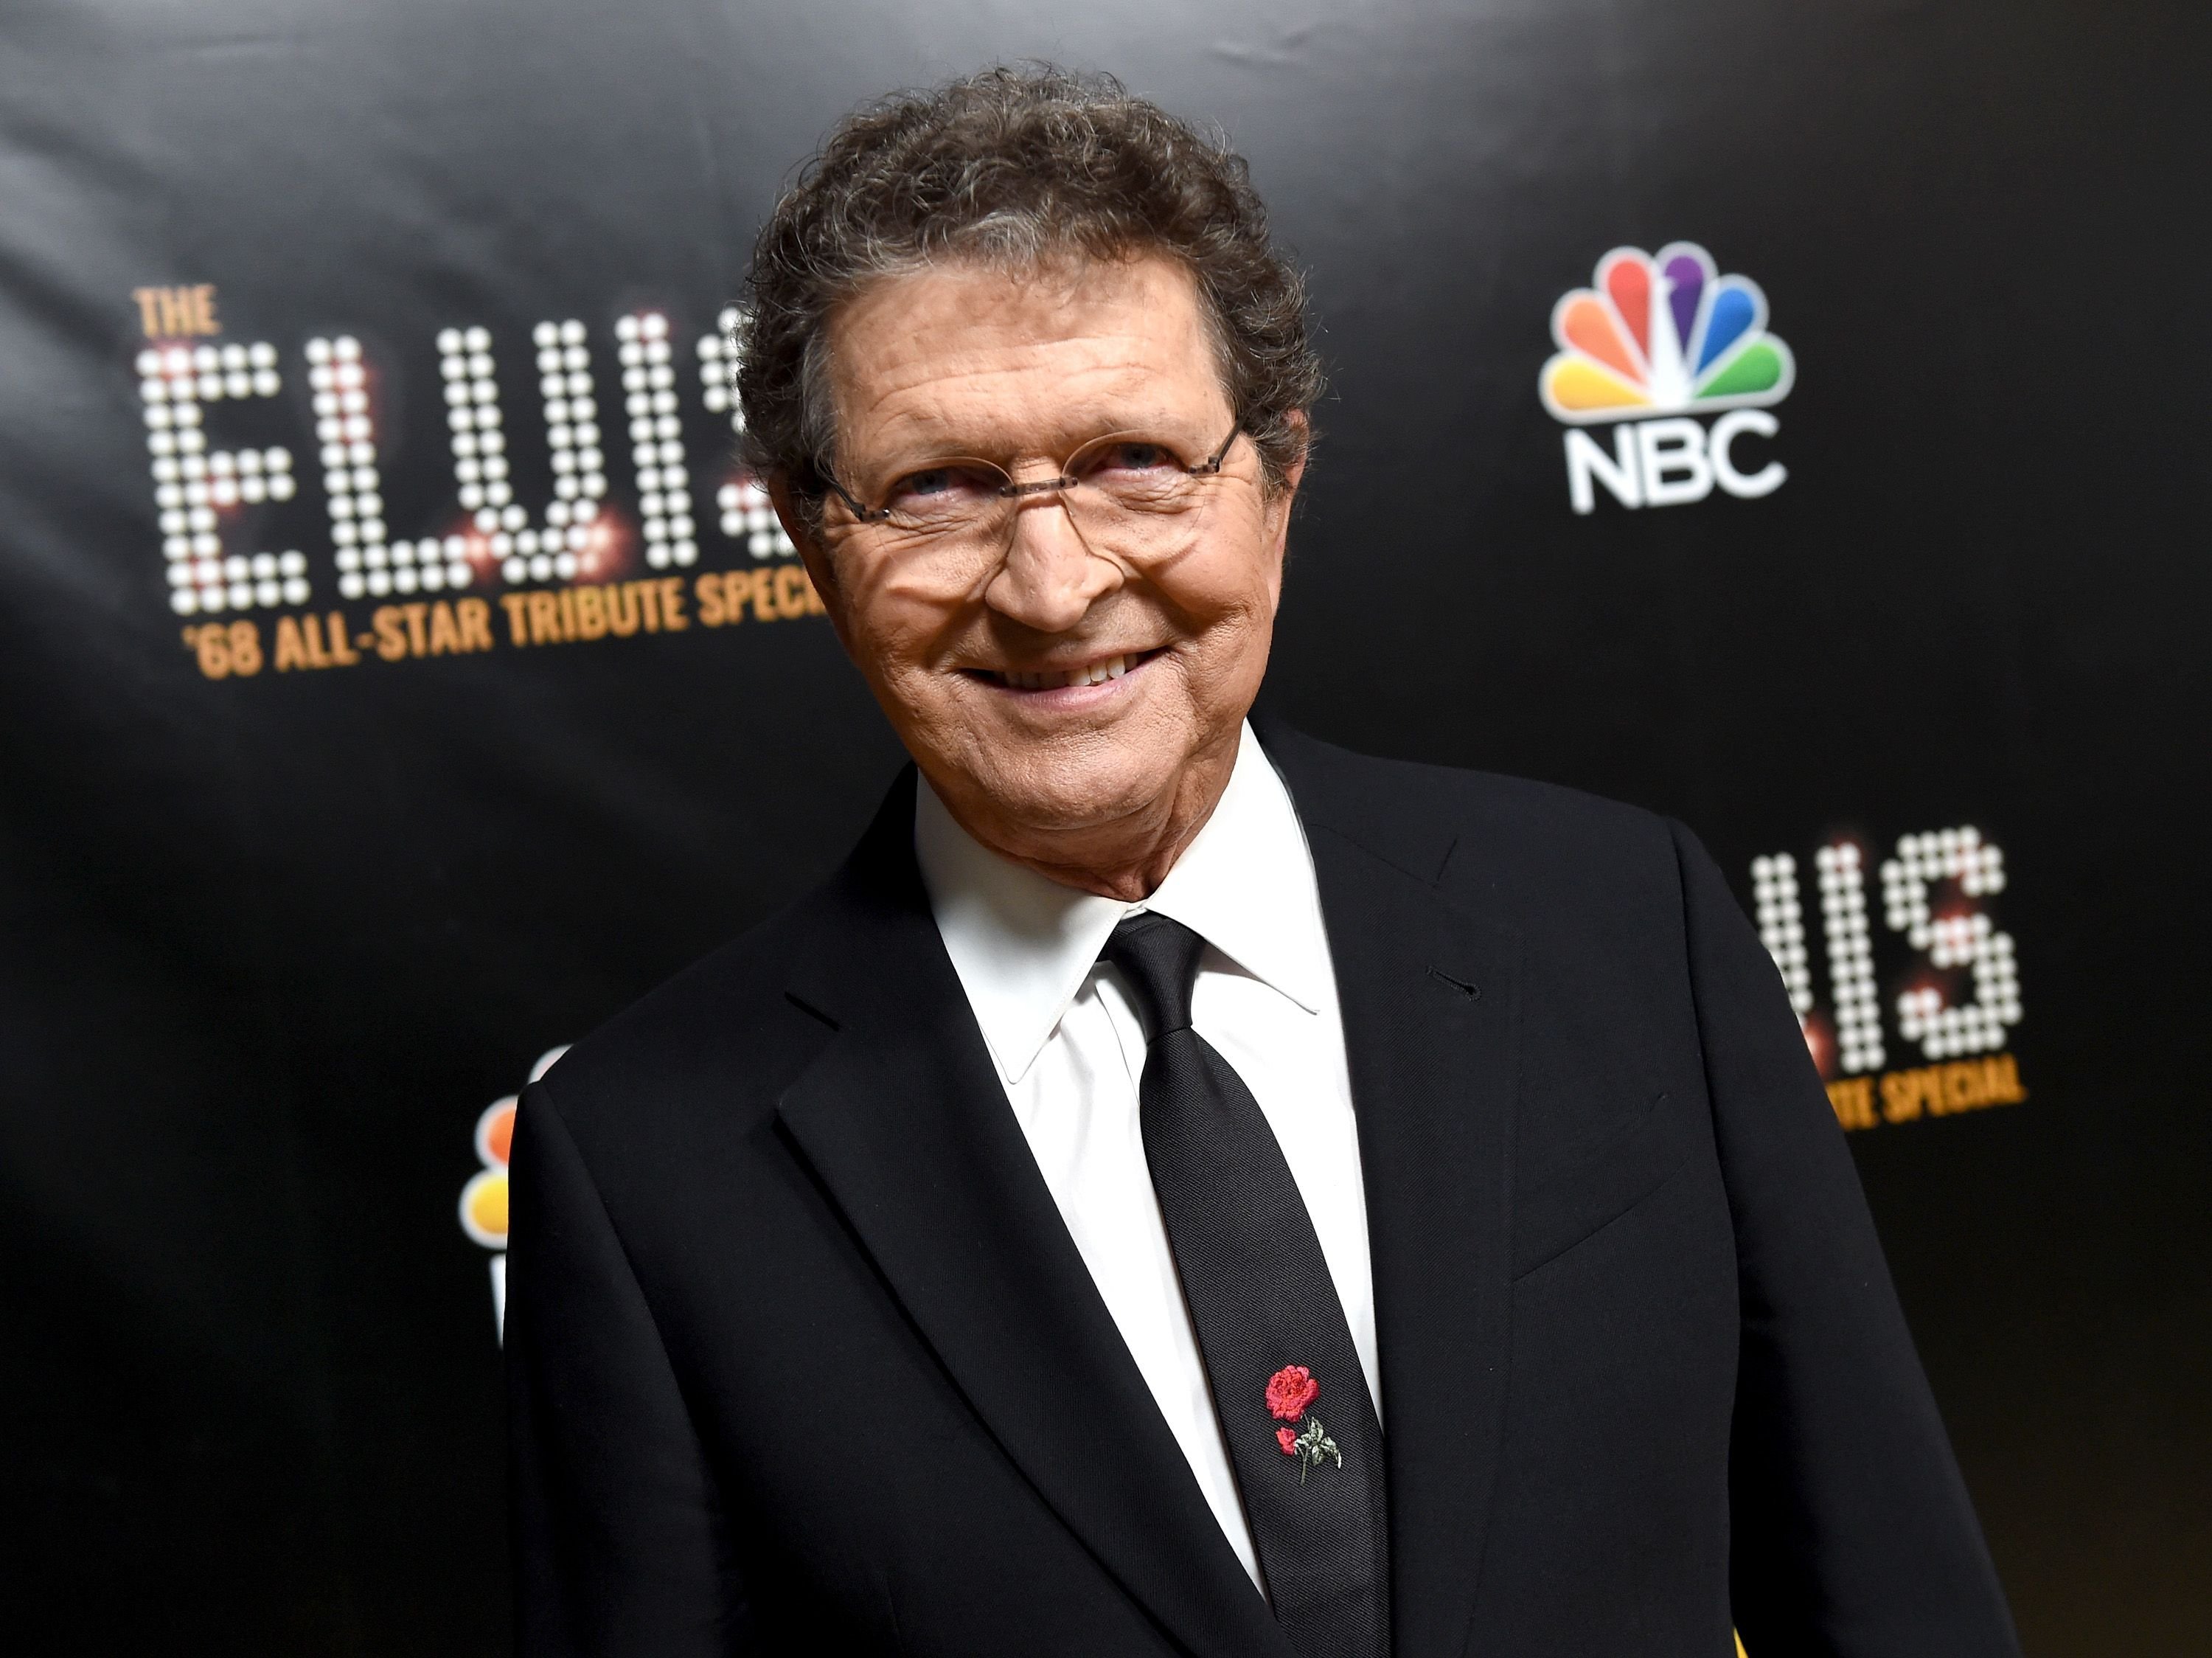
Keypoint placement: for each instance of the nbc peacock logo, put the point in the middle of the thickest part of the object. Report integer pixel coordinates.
(1658, 340)
(483, 1199)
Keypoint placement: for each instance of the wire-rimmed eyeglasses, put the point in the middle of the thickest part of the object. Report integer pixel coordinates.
(1123, 481)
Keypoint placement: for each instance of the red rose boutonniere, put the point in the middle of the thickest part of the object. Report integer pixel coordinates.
(1290, 1391)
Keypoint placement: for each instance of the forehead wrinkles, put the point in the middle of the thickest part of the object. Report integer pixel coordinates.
(1053, 397)
(973, 352)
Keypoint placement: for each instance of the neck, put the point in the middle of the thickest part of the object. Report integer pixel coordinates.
(1128, 857)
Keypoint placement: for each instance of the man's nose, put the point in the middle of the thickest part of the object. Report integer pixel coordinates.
(1049, 579)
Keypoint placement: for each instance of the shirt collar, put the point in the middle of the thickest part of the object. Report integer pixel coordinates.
(1023, 944)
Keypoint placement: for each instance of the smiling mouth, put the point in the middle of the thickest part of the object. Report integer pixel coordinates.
(1097, 672)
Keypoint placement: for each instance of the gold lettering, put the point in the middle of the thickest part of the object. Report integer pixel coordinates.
(1852, 1100)
(590, 614)
(342, 654)
(445, 636)
(708, 590)
(177, 312)
(391, 632)
(790, 585)
(620, 605)
(672, 604)
(1900, 1096)
(476, 624)
(291, 652)
(515, 604)
(545, 619)
(2005, 1081)
(208, 648)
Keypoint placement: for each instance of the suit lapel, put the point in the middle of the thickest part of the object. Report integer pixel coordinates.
(903, 1120)
(1431, 1018)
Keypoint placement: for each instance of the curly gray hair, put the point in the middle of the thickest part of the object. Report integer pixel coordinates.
(1015, 167)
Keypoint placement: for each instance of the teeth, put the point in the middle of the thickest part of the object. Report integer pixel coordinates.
(1097, 673)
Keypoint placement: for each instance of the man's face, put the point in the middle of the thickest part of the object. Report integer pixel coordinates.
(984, 656)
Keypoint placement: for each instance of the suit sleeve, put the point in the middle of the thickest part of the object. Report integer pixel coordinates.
(618, 1542)
(1852, 1535)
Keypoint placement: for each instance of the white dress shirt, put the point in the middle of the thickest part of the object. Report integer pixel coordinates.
(1070, 1048)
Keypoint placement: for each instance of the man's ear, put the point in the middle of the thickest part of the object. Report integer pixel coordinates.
(807, 538)
(794, 522)
(1298, 423)
(1278, 505)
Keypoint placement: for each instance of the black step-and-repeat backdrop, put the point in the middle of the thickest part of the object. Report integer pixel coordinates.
(1788, 417)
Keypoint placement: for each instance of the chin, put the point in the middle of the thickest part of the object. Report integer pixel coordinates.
(1056, 788)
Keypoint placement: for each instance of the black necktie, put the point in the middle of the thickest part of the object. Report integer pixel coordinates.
(1287, 1386)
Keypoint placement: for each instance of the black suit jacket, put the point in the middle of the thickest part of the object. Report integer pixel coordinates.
(802, 1358)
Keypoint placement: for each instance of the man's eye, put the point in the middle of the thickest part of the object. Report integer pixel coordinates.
(1134, 457)
(941, 488)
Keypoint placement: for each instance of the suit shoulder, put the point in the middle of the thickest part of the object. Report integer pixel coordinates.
(728, 1034)
(1537, 823)
(1593, 887)
(1509, 804)
(722, 1026)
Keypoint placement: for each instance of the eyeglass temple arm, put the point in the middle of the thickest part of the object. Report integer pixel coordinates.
(1221, 453)
(865, 515)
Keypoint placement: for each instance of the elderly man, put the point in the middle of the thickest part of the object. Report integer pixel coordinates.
(1176, 1190)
